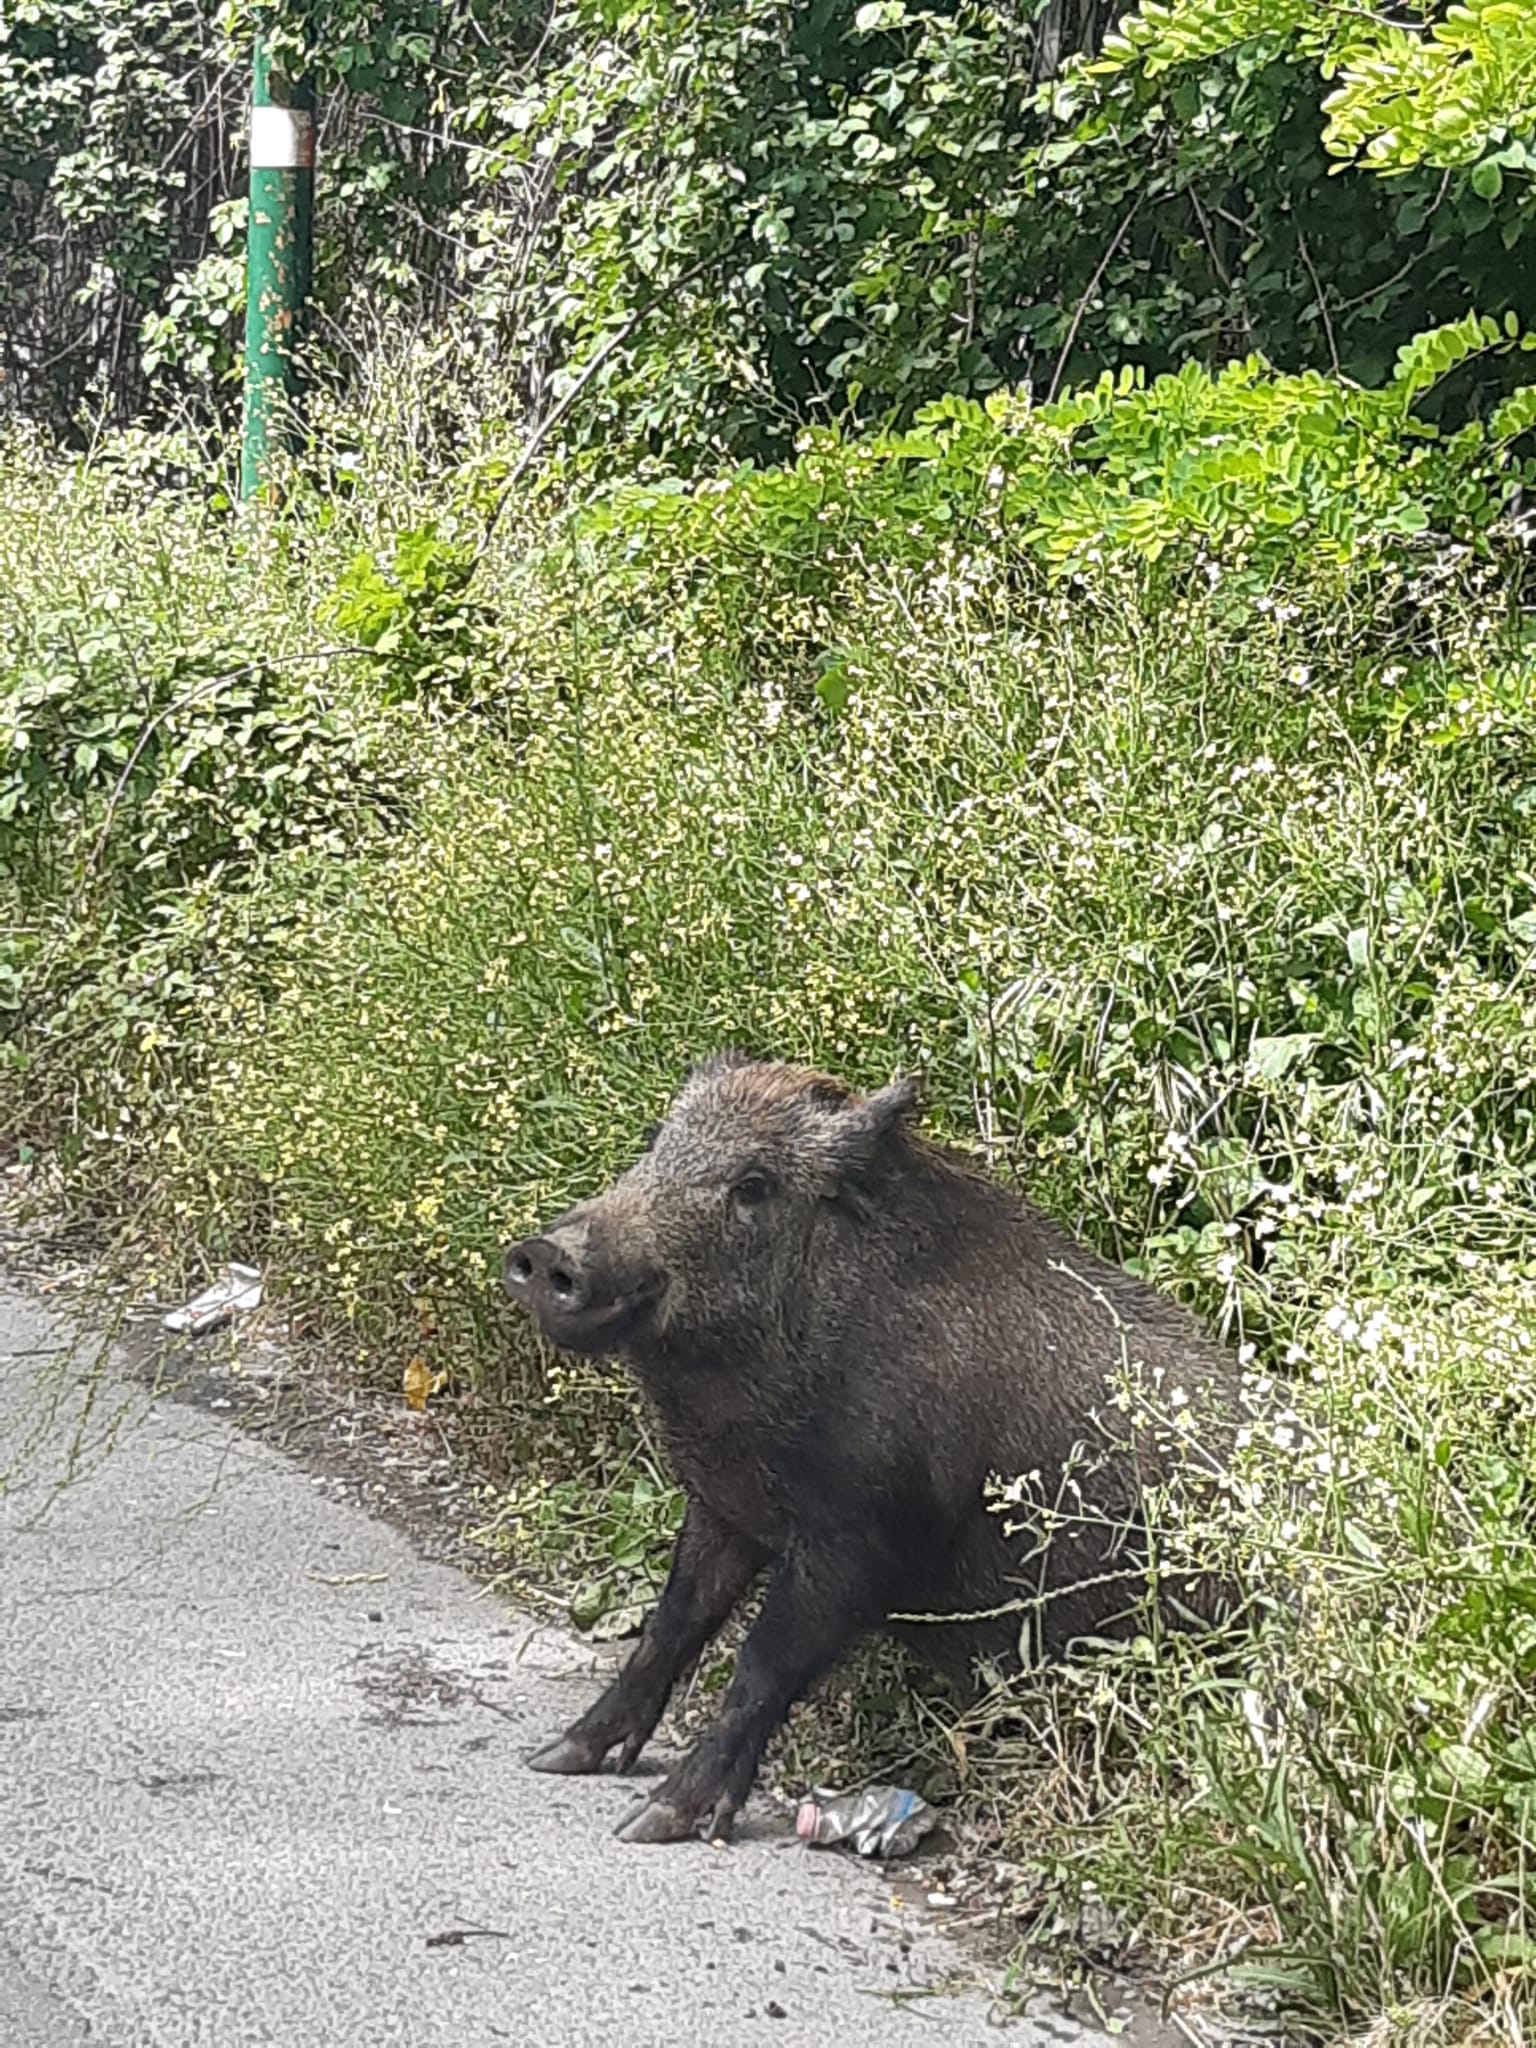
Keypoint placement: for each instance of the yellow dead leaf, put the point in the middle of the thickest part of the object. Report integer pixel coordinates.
(419, 1381)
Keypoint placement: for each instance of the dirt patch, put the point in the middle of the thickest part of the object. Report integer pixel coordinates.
(405, 1688)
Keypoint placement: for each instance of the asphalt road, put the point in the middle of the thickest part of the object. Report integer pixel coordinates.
(252, 1792)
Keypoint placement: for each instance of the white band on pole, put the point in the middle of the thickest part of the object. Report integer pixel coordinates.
(282, 139)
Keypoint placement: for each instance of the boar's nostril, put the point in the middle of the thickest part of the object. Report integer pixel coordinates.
(560, 1281)
(521, 1267)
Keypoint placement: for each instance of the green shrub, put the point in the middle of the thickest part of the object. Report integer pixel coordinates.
(169, 733)
(1346, 1810)
(1195, 880)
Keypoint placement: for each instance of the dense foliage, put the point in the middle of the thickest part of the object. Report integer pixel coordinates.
(1151, 771)
(772, 212)
(1453, 87)
(800, 538)
(122, 186)
(725, 221)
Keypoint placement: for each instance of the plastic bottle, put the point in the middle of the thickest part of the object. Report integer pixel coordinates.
(882, 1820)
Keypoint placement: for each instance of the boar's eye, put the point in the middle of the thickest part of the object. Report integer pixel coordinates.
(752, 1190)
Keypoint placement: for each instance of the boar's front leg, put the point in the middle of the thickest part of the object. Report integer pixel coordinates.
(819, 1600)
(711, 1568)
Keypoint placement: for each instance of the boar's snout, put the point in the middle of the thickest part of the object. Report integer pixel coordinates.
(583, 1299)
(543, 1266)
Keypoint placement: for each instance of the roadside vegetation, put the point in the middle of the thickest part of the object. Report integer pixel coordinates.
(1149, 766)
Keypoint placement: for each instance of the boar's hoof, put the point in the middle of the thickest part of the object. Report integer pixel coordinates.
(660, 1821)
(568, 1755)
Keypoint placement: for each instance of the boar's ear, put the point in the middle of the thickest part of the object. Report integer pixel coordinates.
(860, 1127)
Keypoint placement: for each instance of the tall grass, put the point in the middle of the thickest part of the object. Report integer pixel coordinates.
(1205, 911)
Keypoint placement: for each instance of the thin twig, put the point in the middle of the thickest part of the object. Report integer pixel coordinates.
(1082, 305)
(445, 141)
(557, 412)
(1210, 240)
(1322, 303)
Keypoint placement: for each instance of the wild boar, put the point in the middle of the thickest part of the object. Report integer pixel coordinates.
(843, 1330)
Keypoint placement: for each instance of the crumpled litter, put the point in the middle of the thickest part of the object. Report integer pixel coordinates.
(236, 1294)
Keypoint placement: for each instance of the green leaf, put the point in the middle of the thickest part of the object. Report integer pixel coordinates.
(1467, 1766)
(1515, 416)
(833, 686)
(1273, 1058)
(589, 1603)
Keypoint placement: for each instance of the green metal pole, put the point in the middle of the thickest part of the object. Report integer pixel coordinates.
(278, 244)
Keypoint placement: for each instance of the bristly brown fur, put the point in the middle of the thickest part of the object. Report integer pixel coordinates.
(845, 1331)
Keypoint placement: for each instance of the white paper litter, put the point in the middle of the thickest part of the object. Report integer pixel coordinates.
(236, 1294)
